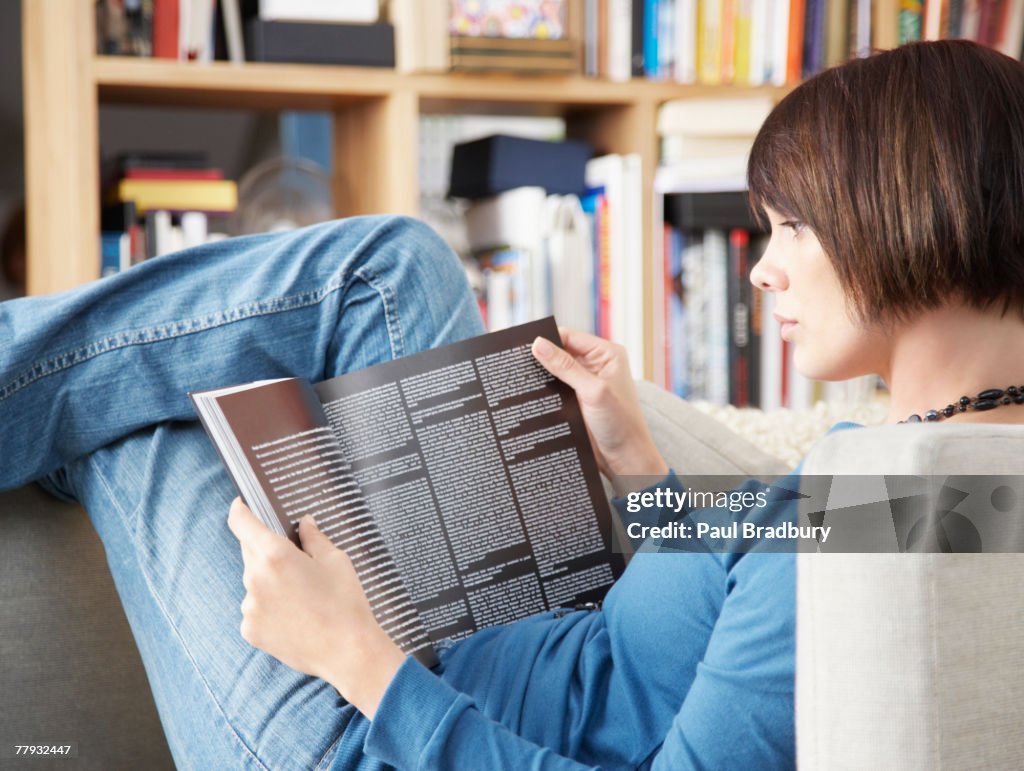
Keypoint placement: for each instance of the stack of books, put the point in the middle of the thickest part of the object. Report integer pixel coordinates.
(708, 138)
(161, 202)
(517, 36)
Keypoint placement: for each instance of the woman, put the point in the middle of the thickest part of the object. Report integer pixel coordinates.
(894, 187)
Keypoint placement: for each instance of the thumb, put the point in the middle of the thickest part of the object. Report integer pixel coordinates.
(562, 365)
(314, 543)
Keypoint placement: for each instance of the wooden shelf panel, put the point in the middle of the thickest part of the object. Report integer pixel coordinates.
(221, 84)
(299, 86)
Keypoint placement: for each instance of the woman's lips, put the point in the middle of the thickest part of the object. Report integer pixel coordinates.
(784, 324)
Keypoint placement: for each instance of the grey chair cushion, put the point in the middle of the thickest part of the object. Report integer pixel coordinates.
(912, 661)
(694, 443)
(69, 668)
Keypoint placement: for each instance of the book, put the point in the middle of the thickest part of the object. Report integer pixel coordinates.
(714, 117)
(685, 33)
(620, 176)
(460, 481)
(619, 51)
(350, 11)
(497, 54)
(541, 19)
(738, 298)
(179, 194)
(299, 42)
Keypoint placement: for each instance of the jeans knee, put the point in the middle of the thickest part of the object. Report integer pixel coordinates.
(415, 263)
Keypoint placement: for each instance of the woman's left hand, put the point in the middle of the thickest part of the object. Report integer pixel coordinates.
(307, 608)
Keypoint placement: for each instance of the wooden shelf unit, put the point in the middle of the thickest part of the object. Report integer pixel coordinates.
(375, 122)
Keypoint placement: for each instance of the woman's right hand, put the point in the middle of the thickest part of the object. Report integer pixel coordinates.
(598, 370)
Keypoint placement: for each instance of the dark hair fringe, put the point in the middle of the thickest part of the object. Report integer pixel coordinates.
(909, 167)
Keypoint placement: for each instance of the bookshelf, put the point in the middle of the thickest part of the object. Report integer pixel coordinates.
(375, 119)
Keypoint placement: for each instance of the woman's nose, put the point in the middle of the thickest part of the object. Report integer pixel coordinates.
(767, 276)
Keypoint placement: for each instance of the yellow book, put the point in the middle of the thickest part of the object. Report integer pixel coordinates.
(207, 195)
(709, 41)
(741, 73)
(885, 32)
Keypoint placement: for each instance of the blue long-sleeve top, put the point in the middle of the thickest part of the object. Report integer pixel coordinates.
(689, 664)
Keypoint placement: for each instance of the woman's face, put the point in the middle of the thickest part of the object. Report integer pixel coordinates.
(830, 344)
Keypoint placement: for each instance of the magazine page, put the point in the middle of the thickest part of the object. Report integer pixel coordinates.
(291, 457)
(477, 467)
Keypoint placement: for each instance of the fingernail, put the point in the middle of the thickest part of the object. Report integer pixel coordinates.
(308, 520)
(543, 348)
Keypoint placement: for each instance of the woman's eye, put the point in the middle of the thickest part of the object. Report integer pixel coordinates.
(794, 225)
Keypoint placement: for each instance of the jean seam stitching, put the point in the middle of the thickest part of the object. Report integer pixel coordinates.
(166, 331)
(390, 302)
(320, 763)
(159, 603)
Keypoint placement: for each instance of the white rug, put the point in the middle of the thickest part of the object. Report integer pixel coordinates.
(789, 434)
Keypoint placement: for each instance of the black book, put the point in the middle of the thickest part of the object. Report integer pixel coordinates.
(636, 60)
(699, 211)
(460, 481)
(362, 45)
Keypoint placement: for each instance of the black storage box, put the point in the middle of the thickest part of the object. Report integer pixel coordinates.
(700, 211)
(361, 45)
(492, 165)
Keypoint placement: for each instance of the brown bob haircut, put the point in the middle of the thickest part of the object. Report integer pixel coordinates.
(908, 166)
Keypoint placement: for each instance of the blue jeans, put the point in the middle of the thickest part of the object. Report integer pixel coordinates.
(93, 388)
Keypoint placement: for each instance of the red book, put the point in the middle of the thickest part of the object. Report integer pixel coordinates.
(165, 29)
(794, 63)
(666, 307)
(156, 173)
(604, 267)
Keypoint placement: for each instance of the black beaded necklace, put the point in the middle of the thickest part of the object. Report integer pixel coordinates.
(988, 399)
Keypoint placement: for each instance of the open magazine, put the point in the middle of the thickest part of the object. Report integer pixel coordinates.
(460, 481)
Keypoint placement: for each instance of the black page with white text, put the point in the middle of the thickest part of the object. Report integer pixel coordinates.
(477, 467)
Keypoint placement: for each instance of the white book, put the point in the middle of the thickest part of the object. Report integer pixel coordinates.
(498, 289)
(686, 41)
(740, 116)
(702, 175)
(193, 228)
(759, 41)
(779, 53)
(620, 40)
(681, 148)
(349, 11)
(164, 240)
(512, 218)
(195, 30)
(570, 260)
